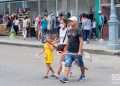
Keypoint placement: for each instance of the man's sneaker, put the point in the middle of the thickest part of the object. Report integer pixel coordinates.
(82, 77)
(64, 80)
(56, 76)
(53, 75)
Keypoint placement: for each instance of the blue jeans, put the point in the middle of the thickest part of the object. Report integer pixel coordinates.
(69, 58)
(86, 34)
(44, 33)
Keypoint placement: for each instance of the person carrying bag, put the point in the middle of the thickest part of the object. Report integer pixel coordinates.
(61, 46)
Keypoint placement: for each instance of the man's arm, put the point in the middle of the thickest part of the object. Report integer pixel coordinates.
(81, 46)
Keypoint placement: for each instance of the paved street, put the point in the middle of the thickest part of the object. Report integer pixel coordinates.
(20, 66)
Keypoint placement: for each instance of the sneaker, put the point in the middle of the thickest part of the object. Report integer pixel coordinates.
(82, 77)
(56, 76)
(86, 42)
(64, 80)
(53, 75)
(96, 39)
(101, 40)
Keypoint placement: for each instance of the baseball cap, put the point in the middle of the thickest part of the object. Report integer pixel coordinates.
(73, 18)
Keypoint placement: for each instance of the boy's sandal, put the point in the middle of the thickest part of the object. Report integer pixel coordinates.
(45, 77)
(55, 76)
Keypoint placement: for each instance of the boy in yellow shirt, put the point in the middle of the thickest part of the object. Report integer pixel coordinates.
(48, 55)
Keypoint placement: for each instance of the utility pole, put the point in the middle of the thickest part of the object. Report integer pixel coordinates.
(56, 7)
(114, 42)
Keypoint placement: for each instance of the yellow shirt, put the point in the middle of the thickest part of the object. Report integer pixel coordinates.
(48, 53)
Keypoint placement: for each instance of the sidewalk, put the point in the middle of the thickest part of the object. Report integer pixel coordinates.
(29, 42)
(93, 47)
(100, 47)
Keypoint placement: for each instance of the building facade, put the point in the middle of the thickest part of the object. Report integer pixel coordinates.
(75, 7)
(105, 5)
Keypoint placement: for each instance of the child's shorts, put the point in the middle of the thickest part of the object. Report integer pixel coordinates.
(69, 59)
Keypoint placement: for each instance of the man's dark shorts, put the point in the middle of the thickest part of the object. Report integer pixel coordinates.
(69, 59)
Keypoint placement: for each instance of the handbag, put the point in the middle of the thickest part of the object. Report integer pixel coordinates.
(61, 47)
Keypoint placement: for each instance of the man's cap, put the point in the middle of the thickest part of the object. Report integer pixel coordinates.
(73, 18)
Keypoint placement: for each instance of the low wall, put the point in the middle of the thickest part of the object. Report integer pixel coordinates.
(3, 29)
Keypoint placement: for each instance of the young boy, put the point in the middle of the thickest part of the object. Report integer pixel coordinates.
(48, 56)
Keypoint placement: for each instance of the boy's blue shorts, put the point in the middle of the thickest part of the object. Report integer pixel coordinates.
(69, 58)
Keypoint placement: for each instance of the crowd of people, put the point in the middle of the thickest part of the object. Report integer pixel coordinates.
(64, 33)
(19, 25)
(67, 34)
(71, 34)
(40, 26)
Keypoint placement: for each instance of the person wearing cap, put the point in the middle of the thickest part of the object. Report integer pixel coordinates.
(74, 50)
(101, 23)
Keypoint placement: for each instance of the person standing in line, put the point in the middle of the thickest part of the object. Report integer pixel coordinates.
(38, 27)
(25, 26)
(53, 23)
(44, 27)
(49, 27)
(101, 24)
(16, 25)
(86, 26)
(57, 27)
(9, 23)
(94, 35)
(28, 26)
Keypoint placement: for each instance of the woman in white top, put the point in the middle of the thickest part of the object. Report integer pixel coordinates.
(62, 34)
(63, 40)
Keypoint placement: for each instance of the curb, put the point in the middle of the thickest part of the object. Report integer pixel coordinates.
(88, 50)
(103, 52)
(22, 44)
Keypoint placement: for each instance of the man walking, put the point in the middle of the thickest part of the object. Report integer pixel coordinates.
(74, 50)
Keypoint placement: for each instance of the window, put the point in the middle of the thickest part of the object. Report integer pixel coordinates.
(117, 1)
